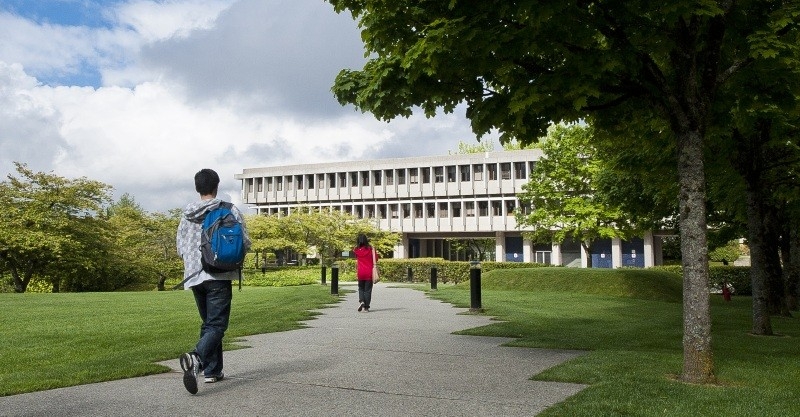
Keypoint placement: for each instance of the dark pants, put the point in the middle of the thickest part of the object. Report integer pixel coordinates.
(213, 300)
(365, 292)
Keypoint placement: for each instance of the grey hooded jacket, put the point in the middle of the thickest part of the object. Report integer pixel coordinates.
(188, 241)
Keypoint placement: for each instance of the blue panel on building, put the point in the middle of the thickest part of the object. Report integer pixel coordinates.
(514, 249)
(633, 253)
(601, 254)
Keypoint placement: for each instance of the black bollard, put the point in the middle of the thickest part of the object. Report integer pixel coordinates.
(433, 278)
(322, 273)
(335, 280)
(475, 287)
(410, 274)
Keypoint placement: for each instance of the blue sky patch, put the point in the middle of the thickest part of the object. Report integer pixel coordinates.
(89, 13)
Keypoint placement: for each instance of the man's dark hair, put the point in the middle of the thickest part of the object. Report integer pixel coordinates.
(206, 181)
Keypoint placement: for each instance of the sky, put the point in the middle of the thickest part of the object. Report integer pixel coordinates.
(141, 94)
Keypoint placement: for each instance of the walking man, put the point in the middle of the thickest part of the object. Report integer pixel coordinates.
(212, 291)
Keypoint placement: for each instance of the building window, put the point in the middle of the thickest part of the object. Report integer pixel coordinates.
(260, 185)
(376, 175)
(483, 208)
(354, 179)
(342, 180)
(401, 176)
(464, 172)
(406, 210)
(497, 208)
(279, 183)
(269, 184)
(426, 175)
(364, 178)
(389, 175)
(310, 180)
(510, 206)
(531, 166)
(359, 212)
(505, 170)
(438, 174)
(451, 173)
(455, 208)
(395, 209)
(320, 180)
(370, 211)
(418, 211)
(519, 170)
(331, 180)
(469, 208)
(414, 174)
(491, 171)
(430, 210)
(299, 180)
(289, 183)
(382, 211)
(249, 185)
(477, 172)
(442, 210)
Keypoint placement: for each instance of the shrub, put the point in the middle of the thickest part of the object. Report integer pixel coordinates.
(397, 270)
(737, 276)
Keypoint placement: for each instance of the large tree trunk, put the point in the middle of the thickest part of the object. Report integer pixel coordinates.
(698, 364)
(759, 274)
(778, 304)
(791, 264)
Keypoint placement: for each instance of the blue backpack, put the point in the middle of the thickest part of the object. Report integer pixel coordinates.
(222, 241)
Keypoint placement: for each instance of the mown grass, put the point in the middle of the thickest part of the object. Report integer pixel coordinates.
(58, 340)
(630, 324)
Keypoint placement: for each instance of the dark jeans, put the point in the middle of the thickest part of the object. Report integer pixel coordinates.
(213, 300)
(365, 292)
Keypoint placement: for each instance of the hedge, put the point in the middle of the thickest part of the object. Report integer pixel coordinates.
(397, 270)
(737, 276)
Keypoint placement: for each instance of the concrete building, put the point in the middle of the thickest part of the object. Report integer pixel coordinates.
(429, 200)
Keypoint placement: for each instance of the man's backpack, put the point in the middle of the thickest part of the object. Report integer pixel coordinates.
(222, 241)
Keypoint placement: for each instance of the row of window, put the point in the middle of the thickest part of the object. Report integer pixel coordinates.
(429, 210)
(399, 176)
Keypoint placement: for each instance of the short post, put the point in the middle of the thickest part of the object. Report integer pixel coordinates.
(409, 274)
(433, 278)
(323, 272)
(335, 279)
(475, 287)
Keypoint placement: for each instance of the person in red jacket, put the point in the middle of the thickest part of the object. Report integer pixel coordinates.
(364, 262)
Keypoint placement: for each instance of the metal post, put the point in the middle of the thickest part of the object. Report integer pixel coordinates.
(475, 287)
(410, 274)
(323, 272)
(433, 278)
(335, 279)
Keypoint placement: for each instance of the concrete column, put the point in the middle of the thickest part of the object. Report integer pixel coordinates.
(527, 250)
(555, 256)
(649, 249)
(401, 249)
(500, 247)
(585, 256)
(616, 252)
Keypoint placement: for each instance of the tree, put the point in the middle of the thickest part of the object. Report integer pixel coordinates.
(520, 65)
(467, 148)
(561, 193)
(51, 226)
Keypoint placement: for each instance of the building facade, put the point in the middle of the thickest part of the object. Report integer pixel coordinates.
(429, 200)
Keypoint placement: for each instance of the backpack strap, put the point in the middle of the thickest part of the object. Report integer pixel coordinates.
(187, 279)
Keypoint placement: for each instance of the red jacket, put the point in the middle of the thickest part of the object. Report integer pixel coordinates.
(364, 262)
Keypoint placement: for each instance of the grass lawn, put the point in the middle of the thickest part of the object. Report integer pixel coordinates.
(631, 323)
(58, 340)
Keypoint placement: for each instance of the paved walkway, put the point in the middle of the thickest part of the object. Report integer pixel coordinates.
(400, 359)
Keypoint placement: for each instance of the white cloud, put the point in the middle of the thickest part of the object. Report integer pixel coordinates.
(187, 85)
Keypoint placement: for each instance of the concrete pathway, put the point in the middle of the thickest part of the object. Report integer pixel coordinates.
(400, 359)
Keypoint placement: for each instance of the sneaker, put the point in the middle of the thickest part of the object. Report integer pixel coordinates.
(190, 364)
(214, 378)
(366, 310)
(361, 307)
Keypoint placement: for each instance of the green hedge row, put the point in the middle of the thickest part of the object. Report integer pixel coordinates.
(736, 276)
(397, 270)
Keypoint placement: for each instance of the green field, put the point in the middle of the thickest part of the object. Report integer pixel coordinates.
(629, 321)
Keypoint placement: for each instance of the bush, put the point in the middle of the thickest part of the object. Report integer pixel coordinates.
(737, 276)
(396, 270)
(729, 253)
